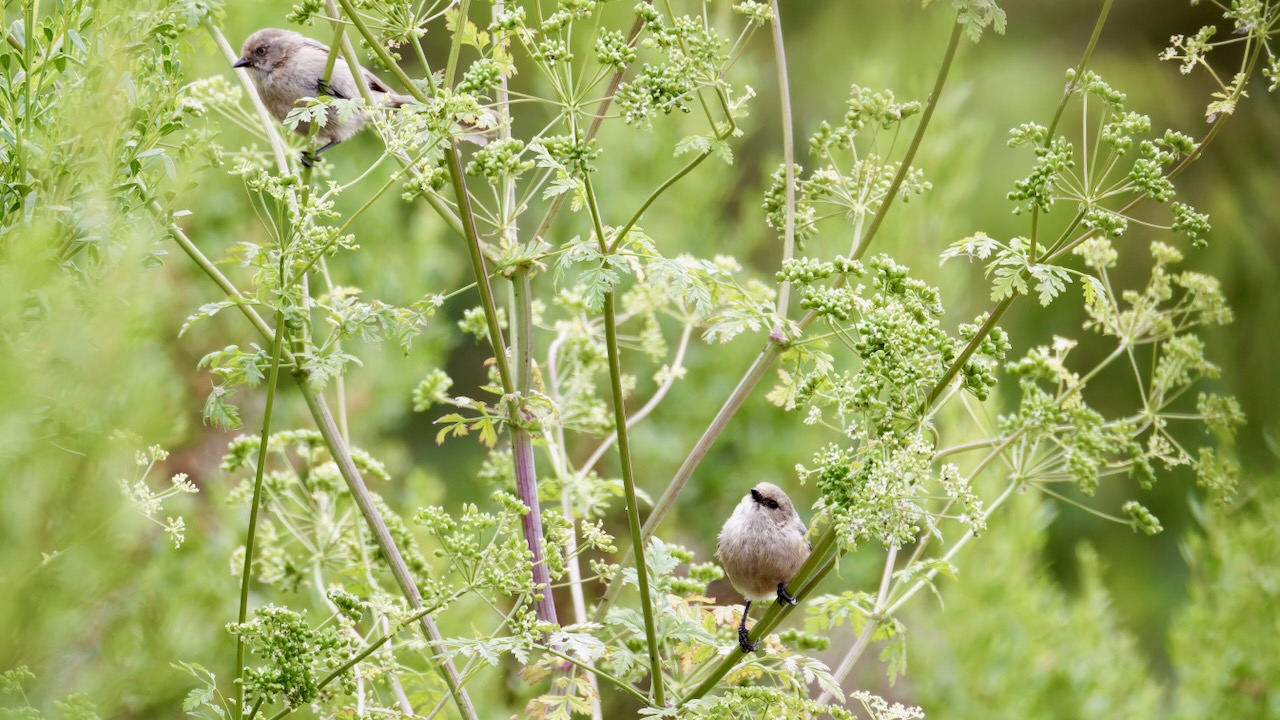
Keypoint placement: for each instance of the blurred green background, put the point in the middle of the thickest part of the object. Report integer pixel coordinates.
(96, 601)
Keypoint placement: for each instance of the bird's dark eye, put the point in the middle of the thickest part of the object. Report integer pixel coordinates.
(773, 504)
(261, 51)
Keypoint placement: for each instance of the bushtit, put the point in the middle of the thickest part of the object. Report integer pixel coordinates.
(287, 66)
(761, 546)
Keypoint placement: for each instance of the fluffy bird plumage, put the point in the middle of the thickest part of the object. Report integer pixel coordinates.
(761, 547)
(287, 66)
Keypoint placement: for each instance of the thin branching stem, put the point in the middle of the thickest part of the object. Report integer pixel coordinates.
(1062, 106)
(869, 629)
(948, 57)
(700, 450)
(614, 82)
(624, 458)
(251, 534)
(356, 659)
(629, 485)
(620, 684)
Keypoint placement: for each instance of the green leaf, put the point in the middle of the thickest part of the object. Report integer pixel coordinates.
(220, 413)
(207, 310)
(1050, 281)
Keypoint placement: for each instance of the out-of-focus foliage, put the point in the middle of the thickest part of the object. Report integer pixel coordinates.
(1027, 647)
(1219, 643)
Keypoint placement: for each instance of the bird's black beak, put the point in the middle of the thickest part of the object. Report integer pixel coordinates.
(242, 62)
(755, 495)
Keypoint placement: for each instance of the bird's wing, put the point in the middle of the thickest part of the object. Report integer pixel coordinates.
(315, 45)
(375, 83)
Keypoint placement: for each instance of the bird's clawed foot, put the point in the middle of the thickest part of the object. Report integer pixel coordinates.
(784, 597)
(308, 159)
(744, 641)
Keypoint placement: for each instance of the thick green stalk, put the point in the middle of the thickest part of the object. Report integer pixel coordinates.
(247, 572)
(451, 67)
(522, 442)
(355, 482)
(522, 451)
(364, 500)
(624, 459)
(522, 352)
(788, 158)
(952, 370)
(629, 484)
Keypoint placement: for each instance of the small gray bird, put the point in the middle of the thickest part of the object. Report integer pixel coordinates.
(287, 66)
(761, 546)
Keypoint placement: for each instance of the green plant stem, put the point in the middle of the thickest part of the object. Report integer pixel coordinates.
(774, 348)
(629, 485)
(522, 442)
(868, 630)
(594, 130)
(525, 468)
(243, 303)
(675, 178)
(624, 459)
(364, 500)
(700, 450)
(952, 370)
(356, 659)
(522, 350)
(455, 47)
(350, 474)
(600, 674)
(948, 57)
(1062, 107)
(251, 535)
(788, 158)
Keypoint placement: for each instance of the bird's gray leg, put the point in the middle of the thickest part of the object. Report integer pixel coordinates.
(784, 597)
(309, 157)
(744, 641)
